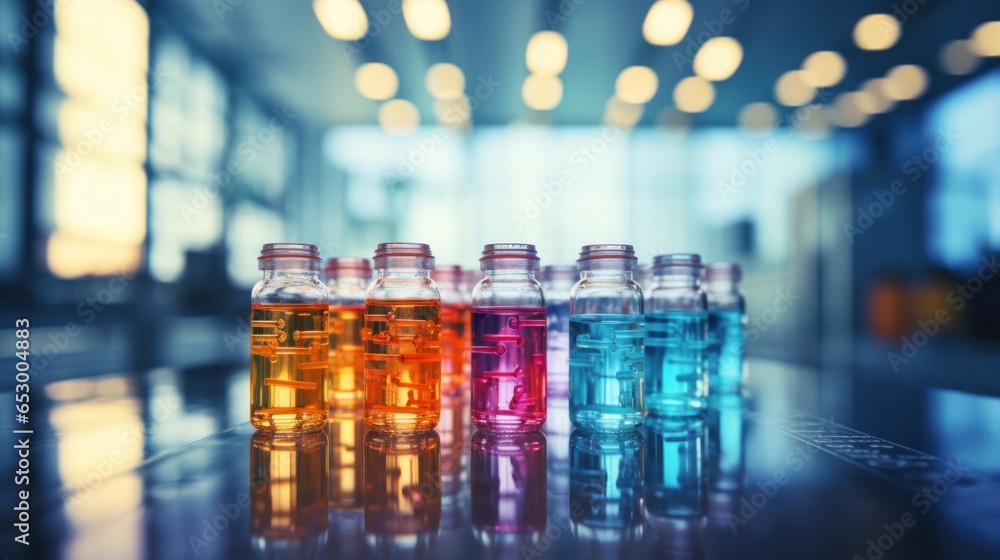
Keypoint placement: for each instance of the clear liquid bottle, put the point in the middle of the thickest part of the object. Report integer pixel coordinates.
(557, 281)
(606, 341)
(402, 336)
(508, 341)
(726, 335)
(676, 333)
(289, 341)
(347, 282)
(454, 319)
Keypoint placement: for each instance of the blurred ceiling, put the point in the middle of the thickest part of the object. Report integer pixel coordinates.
(280, 51)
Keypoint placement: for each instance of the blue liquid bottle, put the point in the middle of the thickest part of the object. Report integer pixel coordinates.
(726, 336)
(606, 331)
(676, 332)
(557, 281)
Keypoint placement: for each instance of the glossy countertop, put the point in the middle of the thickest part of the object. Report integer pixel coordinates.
(810, 464)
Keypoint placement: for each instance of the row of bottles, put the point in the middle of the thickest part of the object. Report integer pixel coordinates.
(366, 491)
(393, 345)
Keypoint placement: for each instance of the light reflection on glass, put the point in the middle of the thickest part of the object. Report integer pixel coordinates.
(402, 493)
(605, 492)
(508, 491)
(288, 494)
(451, 429)
(100, 442)
(676, 504)
(346, 431)
(727, 462)
(557, 429)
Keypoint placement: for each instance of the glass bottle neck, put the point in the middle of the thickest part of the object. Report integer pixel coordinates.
(403, 272)
(283, 267)
(721, 286)
(676, 281)
(509, 274)
(607, 274)
(350, 281)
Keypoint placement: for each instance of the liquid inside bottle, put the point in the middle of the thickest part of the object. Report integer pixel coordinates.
(402, 364)
(347, 355)
(606, 371)
(675, 347)
(454, 322)
(726, 351)
(509, 362)
(289, 364)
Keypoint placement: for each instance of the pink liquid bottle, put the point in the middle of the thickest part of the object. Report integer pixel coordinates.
(508, 341)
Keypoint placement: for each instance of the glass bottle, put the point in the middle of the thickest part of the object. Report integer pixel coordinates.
(454, 318)
(289, 341)
(347, 282)
(557, 281)
(606, 341)
(509, 495)
(726, 335)
(402, 340)
(676, 332)
(288, 494)
(508, 341)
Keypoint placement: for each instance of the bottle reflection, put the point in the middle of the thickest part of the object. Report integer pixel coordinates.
(557, 429)
(288, 488)
(675, 486)
(451, 430)
(508, 491)
(402, 492)
(346, 431)
(605, 492)
(727, 462)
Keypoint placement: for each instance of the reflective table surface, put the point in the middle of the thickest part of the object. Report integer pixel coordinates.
(811, 464)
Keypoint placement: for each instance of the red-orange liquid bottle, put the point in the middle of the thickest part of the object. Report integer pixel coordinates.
(455, 319)
(402, 336)
(347, 282)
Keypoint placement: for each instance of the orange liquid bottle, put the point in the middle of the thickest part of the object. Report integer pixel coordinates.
(347, 283)
(402, 336)
(455, 318)
(289, 349)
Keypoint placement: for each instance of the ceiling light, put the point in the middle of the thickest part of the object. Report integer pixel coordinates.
(904, 82)
(622, 113)
(445, 81)
(718, 58)
(986, 39)
(667, 22)
(546, 54)
(375, 80)
(823, 69)
(398, 117)
(876, 32)
(694, 94)
(758, 119)
(792, 90)
(879, 100)
(542, 93)
(342, 19)
(428, 20)
(636, 85)
(846, 112)
(957, 57)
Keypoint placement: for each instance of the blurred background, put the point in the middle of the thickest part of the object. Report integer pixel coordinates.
(847, 154)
